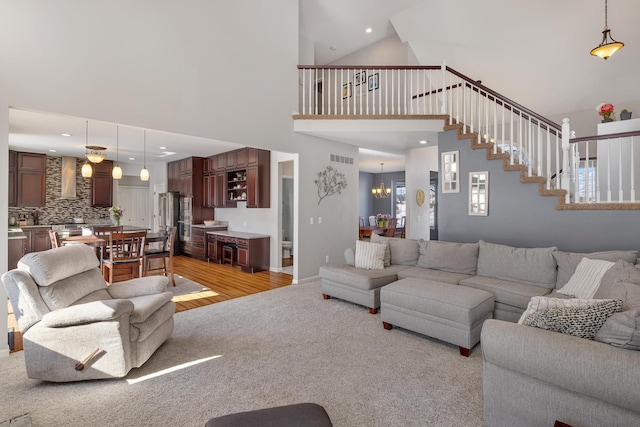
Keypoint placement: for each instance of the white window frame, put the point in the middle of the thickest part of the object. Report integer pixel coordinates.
(478, 196)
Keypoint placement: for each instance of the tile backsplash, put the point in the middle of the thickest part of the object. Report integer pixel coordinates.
(58, 210)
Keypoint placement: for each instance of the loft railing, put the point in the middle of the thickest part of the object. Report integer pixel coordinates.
(528, 140)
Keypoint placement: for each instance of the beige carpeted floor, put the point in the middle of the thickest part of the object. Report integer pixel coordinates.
(278, 347)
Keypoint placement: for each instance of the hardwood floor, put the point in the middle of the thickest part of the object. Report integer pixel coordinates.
(225, 283)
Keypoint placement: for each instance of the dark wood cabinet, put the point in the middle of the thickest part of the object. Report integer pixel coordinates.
(252, 156)
(102, 184)
(220, 190)
(231, 160)
(212, 248)
(251, 184)
(13, 177)
(241, 158)
(221, 162)
(37, 239)
(198, 243)
(17, 248)
(173, 176)
(253, 253)
(31, 183)
(208, 190)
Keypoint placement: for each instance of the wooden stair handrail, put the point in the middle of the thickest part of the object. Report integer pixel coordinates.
(370, 67)
(608, 136)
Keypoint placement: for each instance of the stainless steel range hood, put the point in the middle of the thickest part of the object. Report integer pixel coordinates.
(68, 178)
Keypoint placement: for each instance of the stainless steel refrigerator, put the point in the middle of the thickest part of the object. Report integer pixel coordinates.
(169, 211)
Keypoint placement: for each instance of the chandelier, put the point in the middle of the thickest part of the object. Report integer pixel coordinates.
(381, 192)
(608, 46)
(95, 156)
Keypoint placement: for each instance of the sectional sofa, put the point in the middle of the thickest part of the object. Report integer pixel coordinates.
(532, 376)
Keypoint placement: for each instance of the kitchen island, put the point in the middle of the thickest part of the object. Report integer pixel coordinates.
(252, 249)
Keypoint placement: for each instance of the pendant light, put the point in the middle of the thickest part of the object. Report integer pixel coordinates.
(381, 192)
(608, 46)
(116, 172)
(87, 171)
(144, 173)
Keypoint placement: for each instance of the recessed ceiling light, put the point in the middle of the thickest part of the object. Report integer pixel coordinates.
(424, 141)
(132, 158)
(66, 134)
(368, 30)
(52, 151)
(163, 148)
(332, 48)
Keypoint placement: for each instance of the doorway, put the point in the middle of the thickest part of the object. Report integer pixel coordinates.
(287, 216)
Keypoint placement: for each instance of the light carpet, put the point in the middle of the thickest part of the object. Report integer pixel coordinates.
(278, 347)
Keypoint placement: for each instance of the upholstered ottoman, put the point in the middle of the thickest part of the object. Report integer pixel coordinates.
(447, 312)
(300, 414)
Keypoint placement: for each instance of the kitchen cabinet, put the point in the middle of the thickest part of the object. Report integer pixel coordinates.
(252, 183)
(220, 194)
(13, 176)
(37, 239)
(241, 158)
(198, 243)
(16, 249)
(31, 183)
(102, 184)
(173, 176)
(252, 249)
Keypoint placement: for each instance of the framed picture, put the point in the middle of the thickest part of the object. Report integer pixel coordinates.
(360, 78)
(479, 193)
(374, 81)
(346, 90)
(449, 167)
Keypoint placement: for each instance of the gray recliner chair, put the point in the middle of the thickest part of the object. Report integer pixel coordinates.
(75, 327)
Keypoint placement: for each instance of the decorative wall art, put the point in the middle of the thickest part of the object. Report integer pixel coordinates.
(346, 90)
(449, 166)
(479, 193)
(330, 182)
(420, 197)
(374, 81)
(360, 78)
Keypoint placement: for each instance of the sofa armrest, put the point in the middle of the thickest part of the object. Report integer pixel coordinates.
(137, 287)
(81, 314)
(582, 366)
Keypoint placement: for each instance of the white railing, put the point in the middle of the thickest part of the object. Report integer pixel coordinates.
(531, 142)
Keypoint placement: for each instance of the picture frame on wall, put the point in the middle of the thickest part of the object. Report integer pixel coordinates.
(374, 81)
(360, 78)
(346, 90)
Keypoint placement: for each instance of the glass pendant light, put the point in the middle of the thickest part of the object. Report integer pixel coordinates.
(144, 173)
(116, 172)
(87, 170)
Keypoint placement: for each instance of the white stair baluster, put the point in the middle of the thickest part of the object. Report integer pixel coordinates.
(632, 194)
(620, 192)
(548, 158)
(608, 171)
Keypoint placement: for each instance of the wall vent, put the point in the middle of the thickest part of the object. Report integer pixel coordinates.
(341, 159)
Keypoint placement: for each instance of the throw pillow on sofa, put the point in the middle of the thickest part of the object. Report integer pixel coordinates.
(586, 279)
(568, 261)
(622, 281)
(583, 322)
(621, 330)
(543, 303)
(369, 255)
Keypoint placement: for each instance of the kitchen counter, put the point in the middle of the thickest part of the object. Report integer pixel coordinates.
(16, 234)
(239, 234)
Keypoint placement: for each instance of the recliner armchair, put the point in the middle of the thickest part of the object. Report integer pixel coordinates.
(65, 311)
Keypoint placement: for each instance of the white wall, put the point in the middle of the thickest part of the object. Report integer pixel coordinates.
(419, 162)
(585, 122)
(4, 215)
(389, 51)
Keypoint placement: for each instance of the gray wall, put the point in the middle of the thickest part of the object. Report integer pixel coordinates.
(519, 216)
(386, 206)
(365, 201)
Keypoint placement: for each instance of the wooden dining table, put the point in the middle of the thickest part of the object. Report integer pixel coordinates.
(100, 242)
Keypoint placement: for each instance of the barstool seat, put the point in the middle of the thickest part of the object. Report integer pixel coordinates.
(229, 253)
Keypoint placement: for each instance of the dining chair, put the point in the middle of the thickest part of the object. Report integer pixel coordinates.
(126, 256)
(104, 232)
(400, 228)
(372, 220)
(391, 228)
(55, 239)
(163, 253)
(361, 233)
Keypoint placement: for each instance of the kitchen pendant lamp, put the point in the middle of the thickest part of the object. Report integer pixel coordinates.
(381, 192)
(609, 46)
(87, 170)
(116, 172)
(144, 173)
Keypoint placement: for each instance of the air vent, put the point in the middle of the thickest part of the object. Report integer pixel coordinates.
(341, 159)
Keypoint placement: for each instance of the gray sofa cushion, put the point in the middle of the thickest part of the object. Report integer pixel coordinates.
(621, 330)
(361, 278)
(431, 274)
(48, 267)
(568, 261)
(505, 291)
(403, 251)
(622, 281)
(449, 256)
(533, 266)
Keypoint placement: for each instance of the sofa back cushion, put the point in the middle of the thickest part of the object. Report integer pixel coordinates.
(47, 267)
(403, 251)
(449, 256)
(532, 266)
(568, 261)
(84, 287)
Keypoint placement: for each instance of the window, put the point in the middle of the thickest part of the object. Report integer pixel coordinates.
(449, 165)
(401, 199)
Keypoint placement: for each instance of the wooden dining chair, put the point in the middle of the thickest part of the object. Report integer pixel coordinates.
(361, 233)
(163, 253)
(126, 256)
(104, 232)
(55, 239)
(400, 228)
(391, 228)
(372, 220)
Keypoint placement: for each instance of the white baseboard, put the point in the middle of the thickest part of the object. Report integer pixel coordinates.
(307, 280)
(4, 353)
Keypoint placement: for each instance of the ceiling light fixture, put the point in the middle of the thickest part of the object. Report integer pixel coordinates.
(423, 141)
(144, 173)
(87, 171)
(608, 46)
(116, 172)
(94, 156)
(381, 192)
(368, 30)
(65, 134)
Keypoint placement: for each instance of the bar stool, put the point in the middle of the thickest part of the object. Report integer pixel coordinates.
(229, 253)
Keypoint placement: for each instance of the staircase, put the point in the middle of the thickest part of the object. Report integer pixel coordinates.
(540, 150)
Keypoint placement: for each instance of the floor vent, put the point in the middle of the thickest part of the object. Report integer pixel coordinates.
(341, 159)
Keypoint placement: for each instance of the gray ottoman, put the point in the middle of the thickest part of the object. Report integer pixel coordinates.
(447, 312)
(299, 414)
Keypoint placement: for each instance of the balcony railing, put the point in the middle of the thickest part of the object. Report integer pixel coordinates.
(526, 139)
